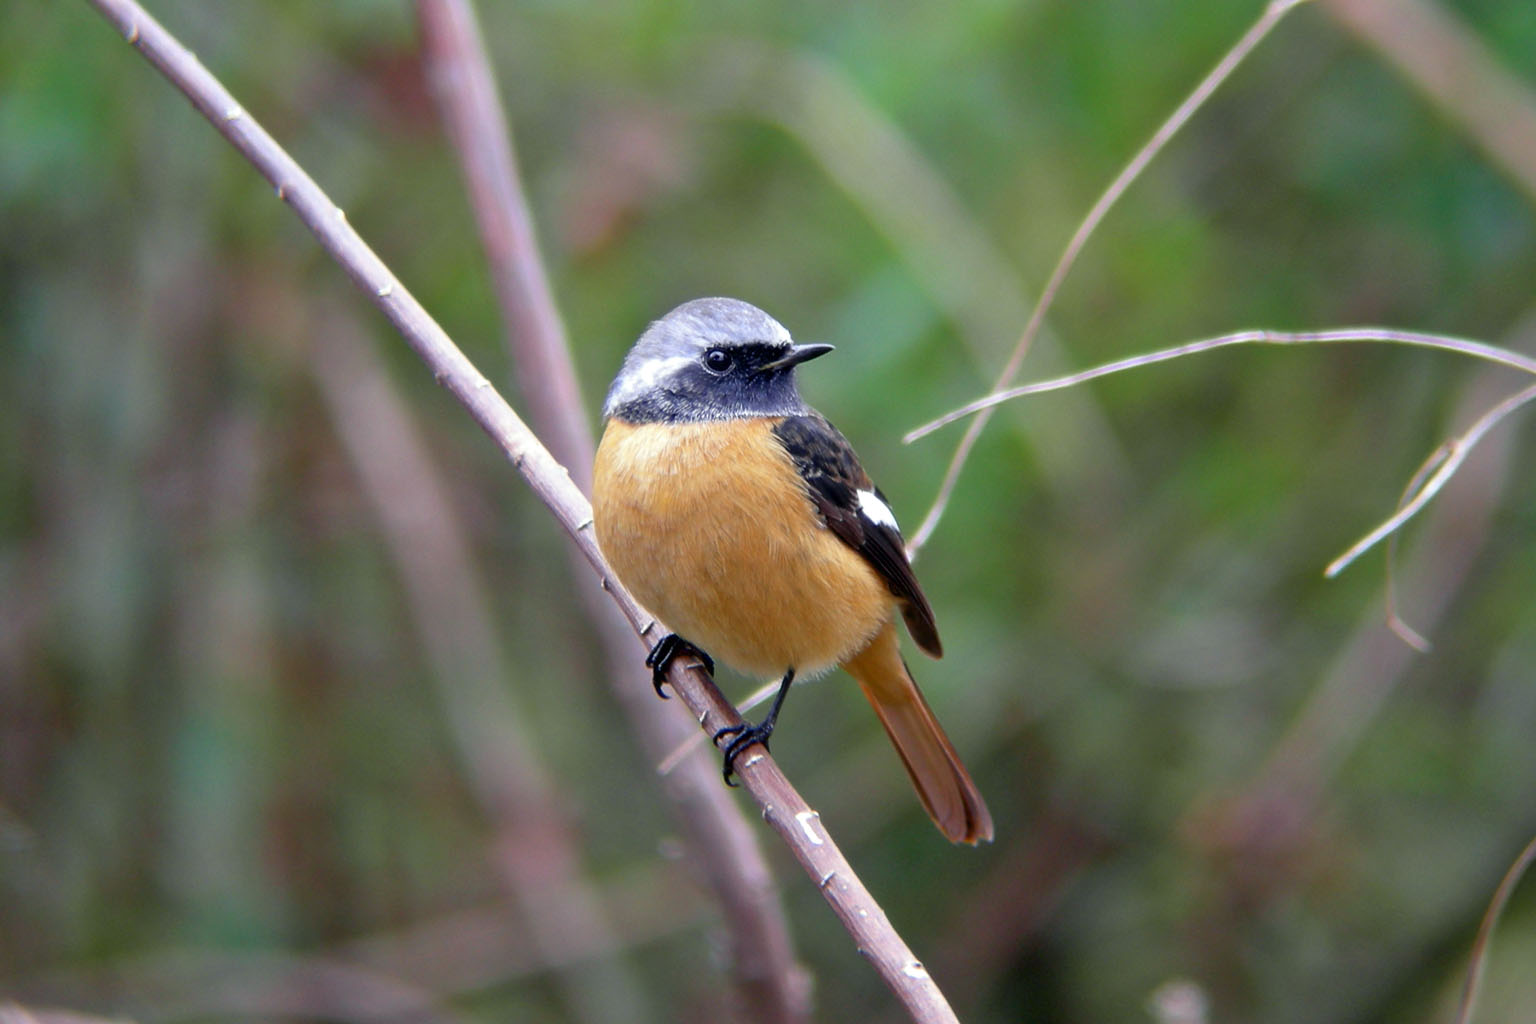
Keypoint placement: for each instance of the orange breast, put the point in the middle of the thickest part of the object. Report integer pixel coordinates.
(709, 526)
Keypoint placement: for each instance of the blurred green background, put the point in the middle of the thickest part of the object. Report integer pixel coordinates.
(225, 762)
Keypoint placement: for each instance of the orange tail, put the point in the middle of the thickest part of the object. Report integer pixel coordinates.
(943, 784)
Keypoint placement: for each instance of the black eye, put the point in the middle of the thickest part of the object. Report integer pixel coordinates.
(717, 360)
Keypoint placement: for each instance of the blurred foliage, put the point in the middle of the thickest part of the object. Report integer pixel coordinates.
(217, 734)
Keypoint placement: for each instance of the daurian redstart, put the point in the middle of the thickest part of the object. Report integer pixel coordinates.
(741, 517)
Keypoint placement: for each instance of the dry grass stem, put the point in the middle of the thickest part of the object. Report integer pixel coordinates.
(696, 740)
(1273, 12)
(1274, 811)
(1491, 917)
(1257, 336)
(1395, 622)
(1439, 468)
(1446, 459)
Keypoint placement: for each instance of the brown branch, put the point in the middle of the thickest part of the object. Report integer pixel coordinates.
(534, 852)
(771, 986)
(460, 76)
(471, 950)
(782, 806)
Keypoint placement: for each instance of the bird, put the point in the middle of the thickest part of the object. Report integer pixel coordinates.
(742, 519)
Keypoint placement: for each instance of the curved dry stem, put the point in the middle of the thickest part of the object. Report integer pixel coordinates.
(1427, 480)
(1395, 622)
(240, 986)
(1257, 336)
(1496, 906)
(465, 88)
(1456, 451)
(1273, 12)
(783, 808)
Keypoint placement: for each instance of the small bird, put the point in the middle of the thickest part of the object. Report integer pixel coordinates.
(743, 519)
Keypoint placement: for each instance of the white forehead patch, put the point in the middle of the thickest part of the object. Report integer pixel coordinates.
(876, 511)
(642, 377)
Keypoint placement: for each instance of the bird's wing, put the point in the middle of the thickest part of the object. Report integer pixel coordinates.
(855, 510)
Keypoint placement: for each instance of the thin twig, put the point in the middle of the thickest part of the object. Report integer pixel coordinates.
(783, 808)
(1491, 917)
(771, 986)
(455, 954)
(1395, 622)
(1444, 466)
(1273, 12)
(1456, 451)
(15, 1013)
(1445, 342)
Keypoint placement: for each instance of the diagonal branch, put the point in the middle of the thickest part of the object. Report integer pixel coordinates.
(782, 807)
(772, 987)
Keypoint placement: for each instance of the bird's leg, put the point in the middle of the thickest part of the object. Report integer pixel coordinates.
(746, 734)
(667, 650)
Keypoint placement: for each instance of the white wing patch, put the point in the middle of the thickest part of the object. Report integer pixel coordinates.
(876, 511)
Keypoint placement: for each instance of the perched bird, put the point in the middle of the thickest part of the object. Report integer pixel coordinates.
(742, 518)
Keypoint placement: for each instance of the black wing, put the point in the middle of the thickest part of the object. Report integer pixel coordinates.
(833, 479)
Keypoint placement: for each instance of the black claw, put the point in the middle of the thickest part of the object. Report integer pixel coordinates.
(667, 650)
(742, 737)
(746, 734)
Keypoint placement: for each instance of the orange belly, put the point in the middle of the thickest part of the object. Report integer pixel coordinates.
(710, 527)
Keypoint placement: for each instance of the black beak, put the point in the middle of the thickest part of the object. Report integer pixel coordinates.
(796, 355)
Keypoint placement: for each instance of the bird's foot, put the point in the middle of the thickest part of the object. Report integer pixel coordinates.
(741, 737)
(746, 734)
(667, 650)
